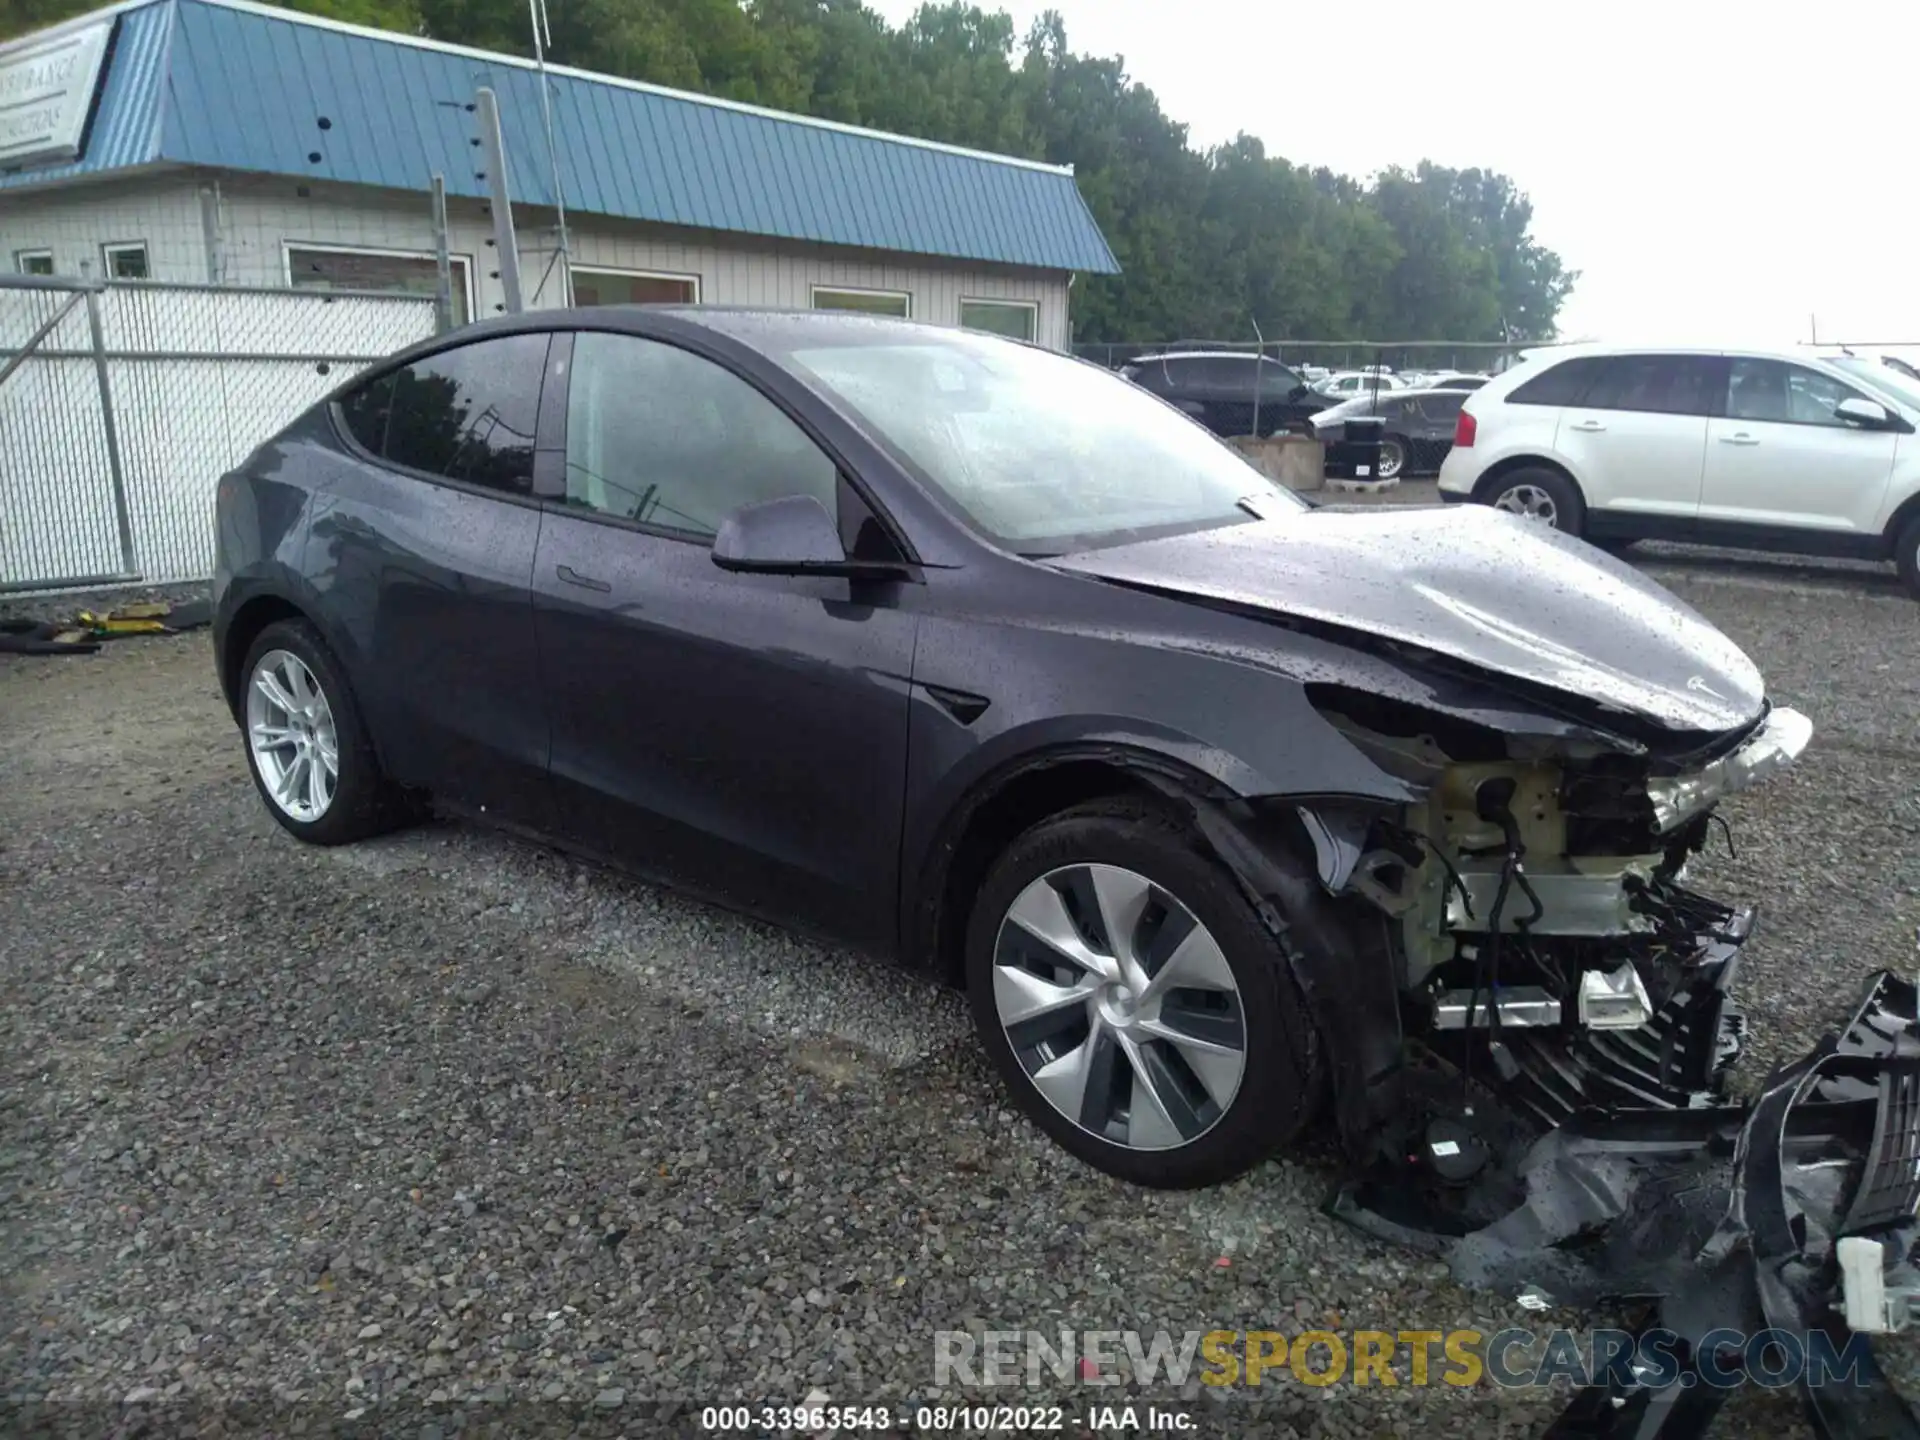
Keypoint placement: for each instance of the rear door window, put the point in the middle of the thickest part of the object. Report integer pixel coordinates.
(1229, 376)
(466, 414)
(1655, 384)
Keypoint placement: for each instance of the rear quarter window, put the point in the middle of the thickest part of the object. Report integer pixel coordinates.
(365, 411)
(468, 413)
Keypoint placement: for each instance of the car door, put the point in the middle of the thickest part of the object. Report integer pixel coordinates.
(1780, 456)
(1192, 387)
(742, 735)
(423, 547)
(1430, 421)
(1636, 438)
(1229, 381)
(1284, 397)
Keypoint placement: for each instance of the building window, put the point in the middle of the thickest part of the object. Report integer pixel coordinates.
(126, 262)
(400, 272)
(33, 262)
(1018, 319)
(633, 287)
(870, 302)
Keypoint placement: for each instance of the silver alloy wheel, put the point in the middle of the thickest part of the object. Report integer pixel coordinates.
(1392, 458)
(1120, 1006)
(290, 728)
(1530, 501)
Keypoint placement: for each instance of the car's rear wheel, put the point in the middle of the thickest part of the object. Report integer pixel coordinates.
(1544, 496)
(1393, 457)
(307, 748)
(1906, 554)
(1135, 1004)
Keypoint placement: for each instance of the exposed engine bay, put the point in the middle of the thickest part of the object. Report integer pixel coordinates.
(1538, 907)
(1544, 1101)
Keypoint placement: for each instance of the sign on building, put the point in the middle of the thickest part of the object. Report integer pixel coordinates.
(47, 86)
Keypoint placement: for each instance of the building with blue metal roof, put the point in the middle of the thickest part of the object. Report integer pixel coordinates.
(228, 142)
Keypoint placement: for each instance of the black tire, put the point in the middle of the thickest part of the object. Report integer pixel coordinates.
(1906, 554)
(364, 802)
(1570, 510)
(1392, 468)
(1282, 1081)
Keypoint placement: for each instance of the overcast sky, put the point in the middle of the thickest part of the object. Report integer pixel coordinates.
(1716, 172)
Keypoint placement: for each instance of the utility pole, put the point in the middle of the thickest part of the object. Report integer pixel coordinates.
(542, 41)
(487, 112)
(442, 260)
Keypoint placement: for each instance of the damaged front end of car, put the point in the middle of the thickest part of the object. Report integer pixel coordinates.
(1529, 1015)
(1526, 1009)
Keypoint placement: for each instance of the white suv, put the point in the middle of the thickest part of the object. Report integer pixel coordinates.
(1760, 450)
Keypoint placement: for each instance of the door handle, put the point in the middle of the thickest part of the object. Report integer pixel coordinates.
(1591, 427)
(585, 582)
(1739, 438)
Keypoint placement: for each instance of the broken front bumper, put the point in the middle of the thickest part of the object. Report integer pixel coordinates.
(1675, 1061)
(1794, 1216)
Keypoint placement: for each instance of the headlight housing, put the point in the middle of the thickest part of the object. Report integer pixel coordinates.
(1776, 745)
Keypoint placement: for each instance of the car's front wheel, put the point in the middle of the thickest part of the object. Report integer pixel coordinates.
(1544, 496)
(309, 752)
(1393, 457)
(1133, 1001)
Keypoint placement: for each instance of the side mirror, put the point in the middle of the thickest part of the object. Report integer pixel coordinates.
(793, 535)
(1868, 414)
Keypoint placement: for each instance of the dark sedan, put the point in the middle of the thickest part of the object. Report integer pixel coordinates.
(963, 652)
(1231, 392)
(1418, 433)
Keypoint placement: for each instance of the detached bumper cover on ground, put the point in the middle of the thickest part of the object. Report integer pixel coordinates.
(1733, 1220)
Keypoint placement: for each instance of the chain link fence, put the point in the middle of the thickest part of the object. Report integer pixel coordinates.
(123, 403)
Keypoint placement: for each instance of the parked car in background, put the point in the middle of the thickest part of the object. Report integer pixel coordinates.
(1228, 391)
(1419, 429)
(1355, 382)
(1894, 363)
(1453, 380)
(1756, 449)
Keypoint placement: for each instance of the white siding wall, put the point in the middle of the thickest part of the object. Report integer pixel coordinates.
(164, 211)
(260, 216)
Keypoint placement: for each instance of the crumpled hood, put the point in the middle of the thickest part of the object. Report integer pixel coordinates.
(1500, 592)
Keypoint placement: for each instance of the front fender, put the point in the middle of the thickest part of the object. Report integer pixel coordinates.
(982, 717)
(1241, 730)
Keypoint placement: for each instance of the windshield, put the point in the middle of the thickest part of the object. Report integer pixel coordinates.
(1882, 377)
(1043, 453)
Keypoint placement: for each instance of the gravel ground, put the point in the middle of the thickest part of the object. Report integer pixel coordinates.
(449, 1122)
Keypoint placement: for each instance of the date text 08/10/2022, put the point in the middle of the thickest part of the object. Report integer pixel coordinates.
(946, 1419)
